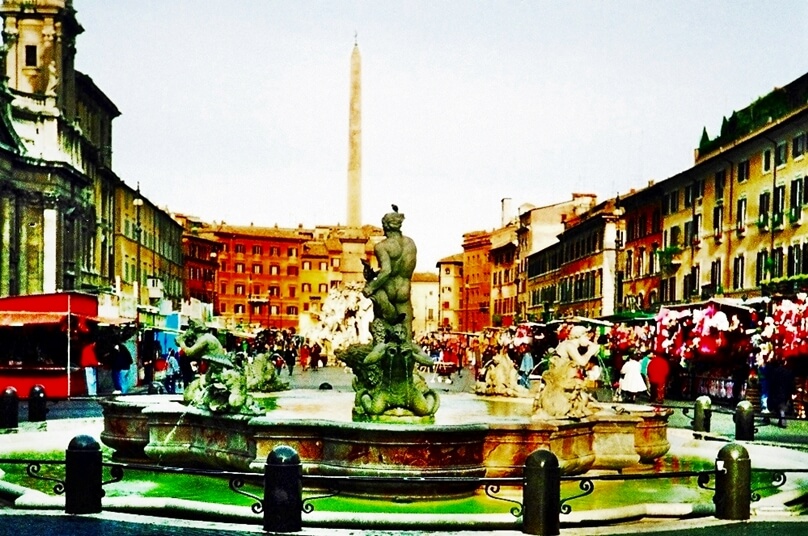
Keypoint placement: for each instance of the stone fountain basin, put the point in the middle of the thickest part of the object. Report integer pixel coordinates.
(471, 436)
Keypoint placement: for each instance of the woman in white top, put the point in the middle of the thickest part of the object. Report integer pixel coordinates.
(632, 382)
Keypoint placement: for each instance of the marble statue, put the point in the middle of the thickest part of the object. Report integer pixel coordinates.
(389, 287)
(387, 385)
(227, 383)
(500, 378)
(563, 393)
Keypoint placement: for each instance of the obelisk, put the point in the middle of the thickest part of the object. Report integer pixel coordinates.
(355, 142)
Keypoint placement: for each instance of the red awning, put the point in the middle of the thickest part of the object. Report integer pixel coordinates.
(23, 318)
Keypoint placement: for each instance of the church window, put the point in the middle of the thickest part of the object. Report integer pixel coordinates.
(30, 56)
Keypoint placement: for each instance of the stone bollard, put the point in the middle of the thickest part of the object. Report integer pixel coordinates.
(541, 494)
(9, 408)
(733, 484)
(37, 404)
(83, 466)
(283, 491)
(744, 421)
(702, 413)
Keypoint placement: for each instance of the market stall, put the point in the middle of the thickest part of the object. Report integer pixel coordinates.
(41, 338)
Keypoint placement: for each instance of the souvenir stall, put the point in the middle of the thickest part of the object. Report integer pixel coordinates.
(41, 337)
(784, 334)
(709, 345)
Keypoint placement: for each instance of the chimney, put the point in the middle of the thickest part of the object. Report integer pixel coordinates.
(507, 216)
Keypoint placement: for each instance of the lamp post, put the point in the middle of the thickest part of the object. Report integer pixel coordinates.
(138, 202)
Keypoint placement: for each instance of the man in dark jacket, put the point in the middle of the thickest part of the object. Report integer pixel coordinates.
(781, 387)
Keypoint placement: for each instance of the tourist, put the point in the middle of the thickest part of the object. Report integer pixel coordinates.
(314, 356)
(781, 387)
(632, 382)
(120, 362)
(279, 362)
(658, 371)
(290, 356)
(304, 355)
(172, 372)
(88, 360)
(525, 366)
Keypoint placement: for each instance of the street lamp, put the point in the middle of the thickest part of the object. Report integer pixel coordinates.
(138, 202)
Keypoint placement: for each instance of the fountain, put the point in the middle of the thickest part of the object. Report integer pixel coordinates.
(390, 425)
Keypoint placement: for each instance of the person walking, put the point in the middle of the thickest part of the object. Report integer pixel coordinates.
(88, 360)
(290, 356)
(632, 381)
(120, 362)
(781, 387)
(314, 356)
(658, 371)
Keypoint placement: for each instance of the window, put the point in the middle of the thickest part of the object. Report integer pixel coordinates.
(223, 288)
(223, 267)
(767, 160)
(258, 268)
(274, 251)
(447, 271)
(738, 272)
(796, 200)
(291, 270)
(239, 309)
(239, 289)
(715, 275)
(718, 220)
(794, 266)
(291, 310)
(761, 267)
(629, 262)
(274, 292)
(239, 267)
(256, 290)
(305, 287)
(763, 209)
(291, 252)
(693, 230)
(257, 250)
(323, 266)
(798, 146)
(740, 215)
(781, 154)
(776, 264)
(694, 192)
(274, 269)
(239, 248)
(778, 208)
(292, 292)
(720, 182)
(307, 265)
(335, 262)
(322, 288)
(670, 203)
(30, 56)
(222, 307)
(743, 171)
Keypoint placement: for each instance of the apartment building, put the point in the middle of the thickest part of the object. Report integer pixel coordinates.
(450, 294)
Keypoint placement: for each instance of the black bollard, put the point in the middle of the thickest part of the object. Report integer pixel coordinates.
(702, 413)
(744, 421)
(37, 404)
(541, 494)
(9, 408)
(283, 491)
(83, 466)
(733, 484)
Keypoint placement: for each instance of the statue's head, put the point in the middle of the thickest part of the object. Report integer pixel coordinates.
(392, 220)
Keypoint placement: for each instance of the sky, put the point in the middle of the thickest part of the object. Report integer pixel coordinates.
(237, 111)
